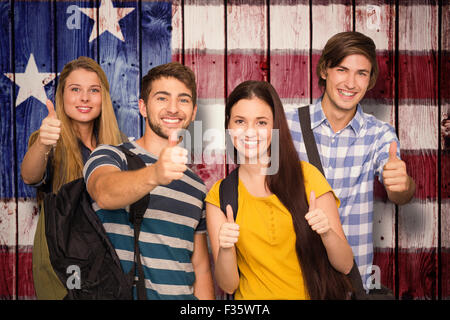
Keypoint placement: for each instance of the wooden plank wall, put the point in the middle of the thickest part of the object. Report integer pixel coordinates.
(226, 42)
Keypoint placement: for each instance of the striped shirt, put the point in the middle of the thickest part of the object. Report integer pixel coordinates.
(175, 213)
(351, 158)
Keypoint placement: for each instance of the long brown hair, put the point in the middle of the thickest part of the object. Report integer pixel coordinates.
(67, 160)
(322, 280)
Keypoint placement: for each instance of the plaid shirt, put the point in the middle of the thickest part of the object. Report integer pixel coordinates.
(350, 158)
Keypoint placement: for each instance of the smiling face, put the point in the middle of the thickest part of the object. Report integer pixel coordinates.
(169, 107)
(250, 126)
(82, 96)
(347, 83)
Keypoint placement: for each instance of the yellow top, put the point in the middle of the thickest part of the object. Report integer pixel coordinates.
(266, 255)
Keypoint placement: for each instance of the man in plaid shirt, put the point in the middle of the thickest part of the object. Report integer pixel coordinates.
(354, 147)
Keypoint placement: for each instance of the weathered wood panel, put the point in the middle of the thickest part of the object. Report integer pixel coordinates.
(376, 19)
(418, 128)
(8, 180)
(328, 18)
(445, 152)
(289, 51)
(204, 49)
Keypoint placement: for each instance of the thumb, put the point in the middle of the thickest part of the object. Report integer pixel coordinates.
(173, 139)
(393, 150)
(230, 214)
(312, 201)
(51, 109)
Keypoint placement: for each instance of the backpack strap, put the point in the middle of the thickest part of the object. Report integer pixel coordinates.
(314, 158)
(228, 192)
(308, 138)
(137, 211)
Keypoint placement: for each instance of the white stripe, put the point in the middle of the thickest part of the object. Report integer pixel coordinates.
(181, 196)
(149, 237)
(174, 218)
(204, 27)
(289, 27)
(420, 127)
(417, 224)
(8, 221)
(247, 27)
(383, 224)
(28, 220)
(327, 21)
(154, 263)
(377, 22)
(169, 289)
(419, 28)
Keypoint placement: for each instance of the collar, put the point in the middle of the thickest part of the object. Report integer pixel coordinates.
(318, 117)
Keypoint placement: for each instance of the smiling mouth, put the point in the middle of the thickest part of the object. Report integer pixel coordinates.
(83, 109)
(172, 121)
(346, 93)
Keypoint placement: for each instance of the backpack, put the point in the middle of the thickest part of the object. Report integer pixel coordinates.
(79, 250)
(228, 194)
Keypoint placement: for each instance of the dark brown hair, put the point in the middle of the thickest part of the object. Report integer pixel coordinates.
(340, 46)
(321, 279)
(172, 69)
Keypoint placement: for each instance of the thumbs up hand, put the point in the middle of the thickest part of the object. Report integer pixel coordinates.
(229, 231)
(171, 163)
(50, 129)
(317, 219)
(395, 177)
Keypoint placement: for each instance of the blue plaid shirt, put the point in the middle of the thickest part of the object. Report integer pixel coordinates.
(351, 158)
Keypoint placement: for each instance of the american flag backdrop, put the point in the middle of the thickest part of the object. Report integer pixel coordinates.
(226, 42)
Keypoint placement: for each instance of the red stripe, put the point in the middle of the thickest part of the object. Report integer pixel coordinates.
(384, 258)
(289, 74)
(7, 272)
(422, 168)
(242, 67)
(26, 284)
(417, 273)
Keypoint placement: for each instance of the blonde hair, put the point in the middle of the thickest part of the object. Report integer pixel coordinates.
(67, 159)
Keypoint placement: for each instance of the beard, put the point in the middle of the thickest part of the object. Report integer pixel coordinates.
(156, 128)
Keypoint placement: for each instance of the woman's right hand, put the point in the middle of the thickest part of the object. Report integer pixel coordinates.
(229, 231)
(50, 129)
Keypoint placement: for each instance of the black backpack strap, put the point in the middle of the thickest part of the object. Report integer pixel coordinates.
(137, 211)
(228, 192)
(314, 158)
(308, 138)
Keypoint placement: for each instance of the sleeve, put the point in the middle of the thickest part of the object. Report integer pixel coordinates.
(104, 155)
(315, 181)
(381, 156)
(201, 227)
(213, 196)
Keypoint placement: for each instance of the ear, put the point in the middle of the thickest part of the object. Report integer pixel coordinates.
(142, 108)
(323, 74)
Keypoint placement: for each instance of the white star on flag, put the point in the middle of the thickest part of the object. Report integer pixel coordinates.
(31, 82)
(109, 19)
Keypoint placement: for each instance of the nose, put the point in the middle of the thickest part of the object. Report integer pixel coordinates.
(172, 106)
(350, 81)
(84, 95)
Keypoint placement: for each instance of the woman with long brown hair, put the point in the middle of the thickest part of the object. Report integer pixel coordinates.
(84, 118)
(287, 241)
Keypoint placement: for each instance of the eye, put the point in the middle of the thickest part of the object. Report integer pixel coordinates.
(161, 98)
(340, 70)
(95, 90)
(362, 73)
(185, 100)
(262, 123)
(75, 89)
(238, 121)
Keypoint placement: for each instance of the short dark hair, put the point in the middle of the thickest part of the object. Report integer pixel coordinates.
(172, 69)
(343, 44)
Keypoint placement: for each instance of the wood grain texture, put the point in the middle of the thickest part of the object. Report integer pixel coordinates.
(327, 20)
(376, 19)
(289, 51)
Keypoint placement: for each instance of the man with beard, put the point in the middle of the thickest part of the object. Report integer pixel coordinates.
(172, 241)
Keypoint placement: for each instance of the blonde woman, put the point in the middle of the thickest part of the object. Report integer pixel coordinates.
(84, 118)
